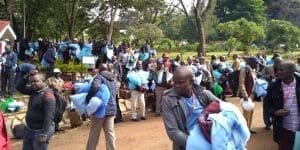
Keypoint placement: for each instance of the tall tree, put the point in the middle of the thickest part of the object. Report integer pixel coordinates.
(284, 10)
(282, 32)
(230, 10)
(244, 31)
(200, 9)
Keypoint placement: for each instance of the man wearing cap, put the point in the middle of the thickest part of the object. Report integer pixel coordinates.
(162, 81)
(56, 83)
(247, 79)
(8, 69)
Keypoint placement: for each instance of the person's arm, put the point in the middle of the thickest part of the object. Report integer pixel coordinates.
(242, 76)
(49, 110)
(210, 96)
(264, 74)
(23, 88)
(11, 62)
(176, 135)
(94, 88)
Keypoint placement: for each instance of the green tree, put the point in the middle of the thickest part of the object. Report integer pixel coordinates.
(231, 45)
(282, 32)
(252, 10)
(147, 32)
(244, 31)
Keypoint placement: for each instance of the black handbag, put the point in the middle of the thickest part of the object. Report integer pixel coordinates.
(18, 131)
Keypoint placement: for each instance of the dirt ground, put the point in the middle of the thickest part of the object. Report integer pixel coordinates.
(148, 135)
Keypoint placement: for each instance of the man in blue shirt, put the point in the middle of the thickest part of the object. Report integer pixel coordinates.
(181, 106)
(8, 68)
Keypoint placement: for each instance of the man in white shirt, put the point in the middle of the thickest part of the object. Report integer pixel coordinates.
(162, 79)
(138, 91)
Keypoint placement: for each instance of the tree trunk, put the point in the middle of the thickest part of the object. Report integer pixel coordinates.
(200, 26)
(70, 31)
(111, 24)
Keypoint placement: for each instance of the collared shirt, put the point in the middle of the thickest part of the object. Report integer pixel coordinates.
(193, 109)
(292, 120)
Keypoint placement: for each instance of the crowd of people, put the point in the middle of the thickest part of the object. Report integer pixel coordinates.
(186, 92)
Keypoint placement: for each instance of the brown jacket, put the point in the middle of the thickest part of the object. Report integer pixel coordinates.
(175, 115)
(244, 89)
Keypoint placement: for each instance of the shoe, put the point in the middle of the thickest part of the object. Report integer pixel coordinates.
(267, 128)
(143, 118)
(59, 130)
(157, 115)
(118, 121)
(252, 132)
(134, 120)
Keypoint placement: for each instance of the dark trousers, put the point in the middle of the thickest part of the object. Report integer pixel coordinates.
(119, 116)
(266, 115)
(31, 142)
(50, 70)
(286, 140)
(7, 79)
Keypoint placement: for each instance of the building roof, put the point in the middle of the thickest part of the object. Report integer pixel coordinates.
(3, 24)
(6, 30)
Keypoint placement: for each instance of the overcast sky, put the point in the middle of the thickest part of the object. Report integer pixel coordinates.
(187, 3)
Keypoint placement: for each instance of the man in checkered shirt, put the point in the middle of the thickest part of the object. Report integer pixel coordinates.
(283, 102)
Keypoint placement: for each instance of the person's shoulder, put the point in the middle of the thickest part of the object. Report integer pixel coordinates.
(275, 84)
(168, 92)
(48, 95)
(297, 76)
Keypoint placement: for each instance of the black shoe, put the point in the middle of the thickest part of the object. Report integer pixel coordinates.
(267, 128)
(252, 132)
(134, 120)
(157, 115)
(143, 118)
(59, 130)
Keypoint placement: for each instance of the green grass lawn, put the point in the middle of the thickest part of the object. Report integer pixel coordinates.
(185, 54)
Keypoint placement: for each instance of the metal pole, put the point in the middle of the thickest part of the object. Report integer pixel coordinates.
(24, 20)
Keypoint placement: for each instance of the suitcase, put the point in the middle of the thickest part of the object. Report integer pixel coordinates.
(75, 119)
(125, 94)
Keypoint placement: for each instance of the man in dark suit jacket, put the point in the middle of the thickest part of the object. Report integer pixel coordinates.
(283, 102)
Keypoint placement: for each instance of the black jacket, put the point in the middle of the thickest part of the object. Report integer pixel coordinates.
(50, 56)
(274, 102)
(41, 107)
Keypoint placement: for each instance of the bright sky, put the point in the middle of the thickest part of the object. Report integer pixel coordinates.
(188, 3)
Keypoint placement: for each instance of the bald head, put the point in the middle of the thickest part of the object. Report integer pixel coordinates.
(184, 71)
(37, 81)
(183, 81)
(286, 70)
(39, 76)
(277, 61)
(289, 65)
(103, 67)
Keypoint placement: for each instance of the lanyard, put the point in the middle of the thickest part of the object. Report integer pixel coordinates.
(191, 109)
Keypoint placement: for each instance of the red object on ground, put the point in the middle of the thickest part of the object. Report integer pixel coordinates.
(4, 139)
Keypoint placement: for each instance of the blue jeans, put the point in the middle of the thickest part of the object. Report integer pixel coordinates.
(31, 142)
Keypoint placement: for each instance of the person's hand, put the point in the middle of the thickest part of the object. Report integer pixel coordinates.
(281, 113)
(42, 138)
(32, 72)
